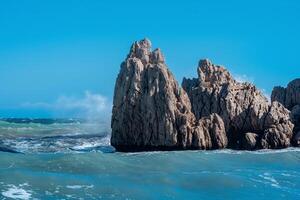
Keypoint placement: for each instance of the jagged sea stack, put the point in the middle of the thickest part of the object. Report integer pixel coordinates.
(250, 121)
(151, 111)
(290, 98)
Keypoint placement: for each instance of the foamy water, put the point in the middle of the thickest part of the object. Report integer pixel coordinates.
(16, 192)
(55, 137)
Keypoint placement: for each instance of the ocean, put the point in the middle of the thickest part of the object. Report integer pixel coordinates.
(73, 159)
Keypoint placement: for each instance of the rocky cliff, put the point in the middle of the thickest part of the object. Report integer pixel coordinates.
(152, 112)
(290, 98)
(250, 121)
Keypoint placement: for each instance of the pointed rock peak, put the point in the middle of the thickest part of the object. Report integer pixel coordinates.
(142, 44)
(145, 43)
(141, 50)
(157, 56)
(213, 74)
(205, 62)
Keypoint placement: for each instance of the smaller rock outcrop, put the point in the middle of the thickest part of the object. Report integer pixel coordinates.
(250, 141)
(279, 128)
(290, 98)
(242, 107)
(210, 133)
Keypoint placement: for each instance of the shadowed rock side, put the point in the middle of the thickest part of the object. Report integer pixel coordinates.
(151, 112)
(250, 121)
(290, 98)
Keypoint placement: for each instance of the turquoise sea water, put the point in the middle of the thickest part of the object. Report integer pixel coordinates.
(74, 161)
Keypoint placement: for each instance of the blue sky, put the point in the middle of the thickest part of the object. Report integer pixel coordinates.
(55, 52)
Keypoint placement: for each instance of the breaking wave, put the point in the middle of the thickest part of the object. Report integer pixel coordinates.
(54, 136)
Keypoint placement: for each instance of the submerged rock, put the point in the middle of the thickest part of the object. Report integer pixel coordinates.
(290, 98)
(242, 107)
(152, 112)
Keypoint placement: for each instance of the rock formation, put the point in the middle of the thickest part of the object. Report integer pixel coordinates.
(290, 98)
(151, 111)
(250, 121)
(250, 141)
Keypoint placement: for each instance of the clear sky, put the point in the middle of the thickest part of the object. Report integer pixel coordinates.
(59, 58)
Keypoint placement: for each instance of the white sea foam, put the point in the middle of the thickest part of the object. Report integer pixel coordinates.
(92, 144)
(57, 143)
(219, 151)
(285, 174)
(224, 151)
(87, 145)
(270, 179)
(15, 192)
(274, 151)
(76, 187)
(18, 128)
(48, 193)
(263, 151)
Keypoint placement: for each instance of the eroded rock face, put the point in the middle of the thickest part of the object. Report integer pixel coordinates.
(249, 141)
(210, 133)
(278, 127)
(242, 107)
(151, 111)
(290, 98)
